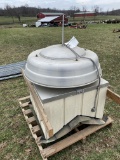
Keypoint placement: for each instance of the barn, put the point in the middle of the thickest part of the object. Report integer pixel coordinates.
(81, 14)
(43, 15)
(52, 21)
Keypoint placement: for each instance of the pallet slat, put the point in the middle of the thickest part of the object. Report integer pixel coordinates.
(58, 146)
(36, 129)
(24, 98)
(49, 151)
(28, 112)
(23, 105)
(115, 97)
(43, 115)
(31, 120)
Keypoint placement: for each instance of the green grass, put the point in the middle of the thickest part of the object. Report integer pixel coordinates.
(7, 20)
(30, 20)
(16, 141)
(92, 18)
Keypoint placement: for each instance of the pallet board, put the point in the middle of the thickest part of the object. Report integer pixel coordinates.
(115, 97)
(61, 144)
(40, 109)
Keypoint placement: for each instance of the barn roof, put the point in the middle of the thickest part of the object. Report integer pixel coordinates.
(48, 19)
(87, 12)
(47, 13)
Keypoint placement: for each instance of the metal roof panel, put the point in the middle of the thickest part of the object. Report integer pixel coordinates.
(87, 12)
(48, 19)
(46, 13)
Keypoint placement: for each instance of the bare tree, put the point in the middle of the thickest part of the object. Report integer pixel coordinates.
(16, 12)
(9, 11)
(100, 10)
(113, 12)
(1, 12)
(84, 9)
(107, 13)
(96, 11)
(73, 10)
(13, 12)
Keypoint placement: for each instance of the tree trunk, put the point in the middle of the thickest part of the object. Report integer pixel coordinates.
(12, 19)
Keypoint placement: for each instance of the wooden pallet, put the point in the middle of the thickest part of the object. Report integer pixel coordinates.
(40, 111)
(59, 145)
(115, 97)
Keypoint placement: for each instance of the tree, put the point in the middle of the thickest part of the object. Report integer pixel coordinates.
(84, 9)
(73, 10)
(9, 11)
(100, 11)
(107, 12)
(1, 12)
(16, 12)
(96, 11)
(113, 12)
(13, 12)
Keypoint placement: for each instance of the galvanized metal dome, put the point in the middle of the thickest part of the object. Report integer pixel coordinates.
(56, 66)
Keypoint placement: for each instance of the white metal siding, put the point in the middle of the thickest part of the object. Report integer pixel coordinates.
(55, 114)
(101, 102)
(73, 105)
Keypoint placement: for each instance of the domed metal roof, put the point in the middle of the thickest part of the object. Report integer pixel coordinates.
(61, 52)
(57, 66)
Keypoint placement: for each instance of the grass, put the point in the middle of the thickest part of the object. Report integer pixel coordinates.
(4, 20)
(97, 18)
(7, 20)
(16, 141)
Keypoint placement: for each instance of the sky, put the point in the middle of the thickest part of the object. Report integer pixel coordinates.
(105, 5)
